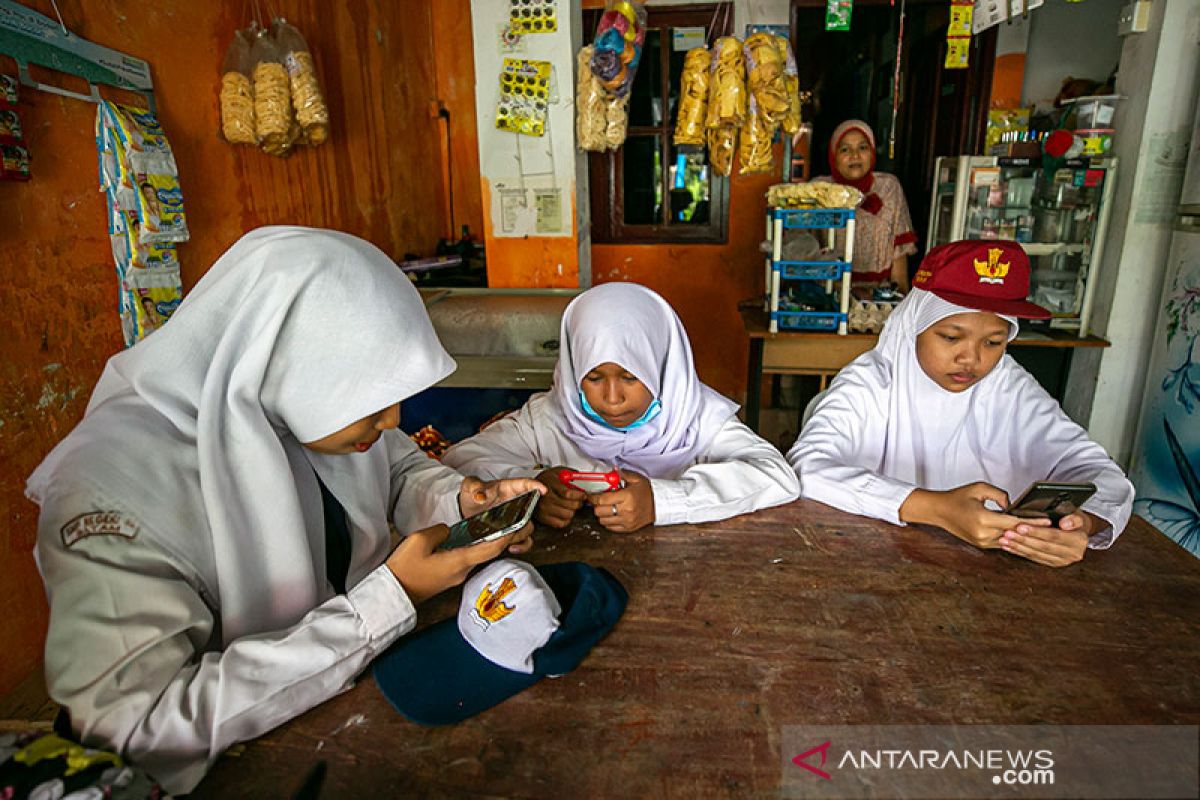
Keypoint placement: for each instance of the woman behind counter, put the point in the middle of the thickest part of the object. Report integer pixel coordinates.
(883, 232)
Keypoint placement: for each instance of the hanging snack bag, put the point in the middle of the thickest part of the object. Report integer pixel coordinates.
(272, 98)
(722, 141)
(307, 100)
(727, 84)
(617, 113)
(8, 90)
(10, 127)
(693, 97)
(764, 76)
(237, 92)
(790, 122)
(591, 110)
(14, 163)
(617, 48)
(754, 145)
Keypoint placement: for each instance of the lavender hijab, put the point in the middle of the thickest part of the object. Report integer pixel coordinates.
(629, 325)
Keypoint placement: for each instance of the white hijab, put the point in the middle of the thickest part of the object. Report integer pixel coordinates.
(196, 432)
(629, 325)
(916, 431)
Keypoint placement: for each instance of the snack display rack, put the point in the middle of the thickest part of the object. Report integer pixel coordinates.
(835, 274)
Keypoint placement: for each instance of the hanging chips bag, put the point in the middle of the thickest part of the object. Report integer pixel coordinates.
(591, 108)
(693, 97)
(764, 76)
(754, 144)
(727, 84)
(790, 121)
(307, 100)
(237, 92)
(275, 127)
(722, 141)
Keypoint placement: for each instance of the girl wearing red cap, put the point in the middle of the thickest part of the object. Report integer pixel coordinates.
(937, 425)
(883, 232)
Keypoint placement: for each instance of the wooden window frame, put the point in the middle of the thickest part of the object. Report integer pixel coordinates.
(606, 171)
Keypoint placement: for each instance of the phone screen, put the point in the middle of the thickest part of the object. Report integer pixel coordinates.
(510, 516)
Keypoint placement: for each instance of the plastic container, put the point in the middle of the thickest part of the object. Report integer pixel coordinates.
(1095, 111)
(809, 320)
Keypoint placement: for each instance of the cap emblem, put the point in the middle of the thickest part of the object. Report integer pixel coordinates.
(993, 270)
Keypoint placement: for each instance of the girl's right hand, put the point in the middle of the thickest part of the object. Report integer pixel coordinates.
(962, 512)
(423, 571)
(560, 502)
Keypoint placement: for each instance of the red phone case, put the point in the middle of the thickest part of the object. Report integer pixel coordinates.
(592, 482)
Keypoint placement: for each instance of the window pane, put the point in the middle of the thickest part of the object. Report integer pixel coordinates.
(690, 184)
(642, 180)
(645, 103)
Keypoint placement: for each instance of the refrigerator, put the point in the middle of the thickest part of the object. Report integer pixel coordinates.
(1165, 468)
(1059, 215)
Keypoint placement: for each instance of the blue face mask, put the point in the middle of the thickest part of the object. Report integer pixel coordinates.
(650, 413)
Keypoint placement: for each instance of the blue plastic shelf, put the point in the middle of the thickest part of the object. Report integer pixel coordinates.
(812, 270)
(808, 320)
(813, 217)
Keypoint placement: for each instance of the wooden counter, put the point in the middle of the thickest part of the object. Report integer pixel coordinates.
(795, 615)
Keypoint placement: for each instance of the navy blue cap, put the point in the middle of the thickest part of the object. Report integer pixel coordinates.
(435, 677)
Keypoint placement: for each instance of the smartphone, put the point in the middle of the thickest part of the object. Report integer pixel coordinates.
(1051, 500)
(592, 482)
(494, 523)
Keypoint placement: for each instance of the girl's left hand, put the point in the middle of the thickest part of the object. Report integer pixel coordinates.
(626, 510)
(475, 495)
(1054, 546)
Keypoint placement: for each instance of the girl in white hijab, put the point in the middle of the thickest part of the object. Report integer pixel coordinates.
(214, 535)
(937, 422)
(626, 395)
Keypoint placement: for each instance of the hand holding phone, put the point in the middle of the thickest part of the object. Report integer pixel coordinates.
(1052, 501)
(496, 522)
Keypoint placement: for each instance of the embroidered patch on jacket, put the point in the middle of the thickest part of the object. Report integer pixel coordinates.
(98, 523)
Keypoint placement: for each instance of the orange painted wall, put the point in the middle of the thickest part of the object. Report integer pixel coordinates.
(531, 262)
(374, 178)
(705, 282)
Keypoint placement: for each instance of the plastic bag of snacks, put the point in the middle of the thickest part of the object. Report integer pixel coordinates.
(722, 141)
(276, 128)
(815, 194)
(307, 100)
(237, 91)
(764, 75)
(754, 145)
(790, 122)
(693, 97)
(727, 84)
(617, 121)
(617, 48)
(591, 107)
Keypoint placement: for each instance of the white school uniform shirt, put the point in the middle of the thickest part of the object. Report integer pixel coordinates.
(703, 464)
(885, 428)
(181, 536)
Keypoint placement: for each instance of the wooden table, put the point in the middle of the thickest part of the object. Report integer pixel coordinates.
(823, 354)
(795, 615)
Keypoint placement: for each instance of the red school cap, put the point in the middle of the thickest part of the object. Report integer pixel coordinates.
(988, 275)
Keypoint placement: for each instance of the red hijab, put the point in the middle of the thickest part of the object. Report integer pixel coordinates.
(871, 202)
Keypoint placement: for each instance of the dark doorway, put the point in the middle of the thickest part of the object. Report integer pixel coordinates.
(850, 75)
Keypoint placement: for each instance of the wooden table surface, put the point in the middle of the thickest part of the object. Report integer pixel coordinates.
(797, 615)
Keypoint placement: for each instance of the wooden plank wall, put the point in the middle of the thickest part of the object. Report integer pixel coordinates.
(381, 176)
